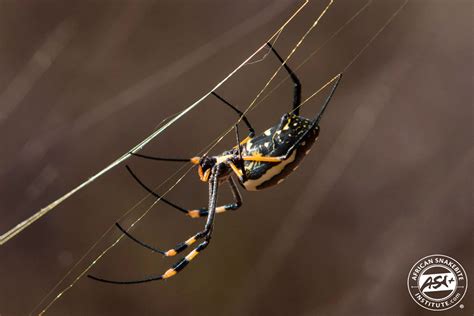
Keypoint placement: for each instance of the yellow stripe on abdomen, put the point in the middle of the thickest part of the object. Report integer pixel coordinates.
(253, 184)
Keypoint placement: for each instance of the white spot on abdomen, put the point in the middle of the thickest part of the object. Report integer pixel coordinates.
(249, 145)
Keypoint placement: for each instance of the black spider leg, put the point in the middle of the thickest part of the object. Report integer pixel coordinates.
(231, 206)
(194, 213)
(206, 233)
(241, 114)
(203, 212)
(161, 159)
(296, 82)
(241, 165)
(315, 122)
(314, 128)
(179, 208)
(328, 99)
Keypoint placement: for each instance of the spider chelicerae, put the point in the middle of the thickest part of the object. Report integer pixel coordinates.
(258, 162)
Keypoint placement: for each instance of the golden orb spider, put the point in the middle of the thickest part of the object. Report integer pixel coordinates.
(258, 162)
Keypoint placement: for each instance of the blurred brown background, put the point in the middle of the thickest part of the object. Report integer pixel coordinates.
(389, 182)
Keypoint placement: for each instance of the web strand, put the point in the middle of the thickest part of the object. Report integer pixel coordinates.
(24, 224)
(173, 118)
(254, 102)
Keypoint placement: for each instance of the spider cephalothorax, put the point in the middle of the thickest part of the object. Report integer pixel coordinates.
(258, 162)
(224, 164)
(205, 164)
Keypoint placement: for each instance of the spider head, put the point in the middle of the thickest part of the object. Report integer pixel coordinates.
(205, 164)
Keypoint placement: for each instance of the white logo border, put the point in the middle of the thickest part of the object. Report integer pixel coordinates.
(431, 309)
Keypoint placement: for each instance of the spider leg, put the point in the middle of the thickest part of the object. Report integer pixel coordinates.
(179, 208)
(139, 241)
(315, 122)
(203, 212)
(314, 125)
(328, 99)
(169, 253)
(228, 207)
(287, 154)
(264, 158)
(296, 82)
(239, 147)
(194, 213)
(195, 160)
(206, 234)
(192, 160)
(244, 118)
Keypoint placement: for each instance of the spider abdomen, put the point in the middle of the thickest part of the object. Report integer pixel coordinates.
(292, 139)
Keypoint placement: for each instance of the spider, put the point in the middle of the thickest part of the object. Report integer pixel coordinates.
(258, 162)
